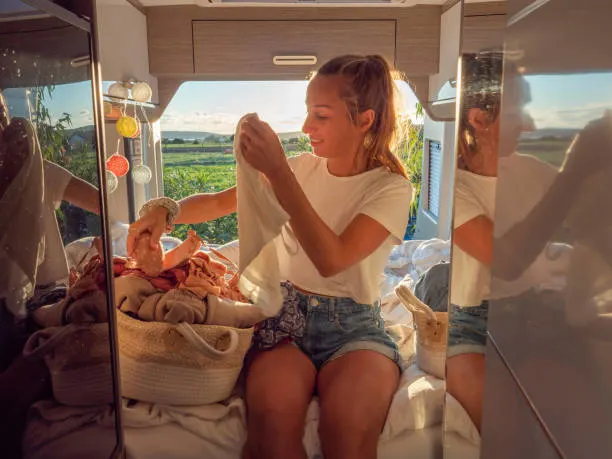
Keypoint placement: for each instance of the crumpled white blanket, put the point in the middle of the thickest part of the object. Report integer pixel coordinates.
(418, 404)
(407, 262)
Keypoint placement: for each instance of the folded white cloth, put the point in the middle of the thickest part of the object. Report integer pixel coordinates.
(260, 220)
(22, 238)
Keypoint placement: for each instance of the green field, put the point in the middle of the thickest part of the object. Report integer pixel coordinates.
(172, 160)
(196, 172)
(170, 146)
(548, 150)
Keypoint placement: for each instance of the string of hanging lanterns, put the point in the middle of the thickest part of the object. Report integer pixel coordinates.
(128, 126)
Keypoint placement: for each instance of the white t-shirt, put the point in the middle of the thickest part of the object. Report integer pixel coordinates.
(378, 193)
(523, 181)
(54, 268)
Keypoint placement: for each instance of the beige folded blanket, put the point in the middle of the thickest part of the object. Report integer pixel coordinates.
(84, 304)
(137, 296)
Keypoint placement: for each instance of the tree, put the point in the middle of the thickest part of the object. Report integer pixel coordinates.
(303, 144)
(80, 159)
(410, 152)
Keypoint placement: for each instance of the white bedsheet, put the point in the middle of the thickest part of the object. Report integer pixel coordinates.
(156, 431)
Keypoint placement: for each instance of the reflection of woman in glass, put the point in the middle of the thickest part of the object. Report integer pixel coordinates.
(31, 189)
(540, 198)
(31, 255)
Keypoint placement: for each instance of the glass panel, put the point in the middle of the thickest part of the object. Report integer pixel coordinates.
(551, 307)
(56, 376)
(532, 276)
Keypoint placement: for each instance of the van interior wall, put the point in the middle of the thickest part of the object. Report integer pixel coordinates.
(123, 51)
(465, 28)
(430, 225)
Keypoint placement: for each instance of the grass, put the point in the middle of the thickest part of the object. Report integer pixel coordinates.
(192, 159)
(169, 146)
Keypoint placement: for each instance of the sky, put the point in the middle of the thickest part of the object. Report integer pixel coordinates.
(217, 106)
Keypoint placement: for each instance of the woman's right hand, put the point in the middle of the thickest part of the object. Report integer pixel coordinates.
(591, 150)
(153, 223)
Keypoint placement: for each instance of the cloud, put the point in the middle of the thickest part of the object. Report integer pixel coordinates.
(559, 117)
(221, 123)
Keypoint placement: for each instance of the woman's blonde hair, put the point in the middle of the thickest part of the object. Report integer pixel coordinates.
(370, 86)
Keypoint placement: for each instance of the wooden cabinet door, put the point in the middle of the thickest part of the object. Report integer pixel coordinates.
(227, 48)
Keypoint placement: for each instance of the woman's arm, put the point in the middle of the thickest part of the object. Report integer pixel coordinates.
(82, 194)
(329, 252)
(205, 207)
(517, 249)
(475, 237)
(197, 208)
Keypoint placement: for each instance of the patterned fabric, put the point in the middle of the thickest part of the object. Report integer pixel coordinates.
(288, 325)
(325, 328)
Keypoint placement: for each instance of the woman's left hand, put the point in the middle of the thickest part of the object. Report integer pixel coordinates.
(260, 146)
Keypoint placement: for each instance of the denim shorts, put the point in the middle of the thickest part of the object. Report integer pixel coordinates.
(467, 329)
(325, 328)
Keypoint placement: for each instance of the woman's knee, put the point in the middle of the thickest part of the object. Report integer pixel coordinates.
(279, 387)
(354, 404)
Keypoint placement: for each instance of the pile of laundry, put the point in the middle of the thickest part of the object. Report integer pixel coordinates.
(181, 285)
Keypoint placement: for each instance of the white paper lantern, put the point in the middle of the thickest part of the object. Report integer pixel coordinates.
(141, 92)
(112, 182)
(142, 174)
(118, 90)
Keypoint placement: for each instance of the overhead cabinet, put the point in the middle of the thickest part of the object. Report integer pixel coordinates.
(286, 47)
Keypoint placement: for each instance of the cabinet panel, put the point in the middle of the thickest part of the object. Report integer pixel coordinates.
(239, 47)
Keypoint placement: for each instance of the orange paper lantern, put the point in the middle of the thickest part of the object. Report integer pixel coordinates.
(118, 165)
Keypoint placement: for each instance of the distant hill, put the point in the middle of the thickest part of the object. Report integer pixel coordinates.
(557, 133)
(191, 135)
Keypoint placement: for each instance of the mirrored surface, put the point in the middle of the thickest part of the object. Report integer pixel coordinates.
(550, 308)
(56, 378)
(527, 369)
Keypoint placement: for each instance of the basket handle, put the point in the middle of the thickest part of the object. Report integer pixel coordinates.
(187, 331)
(413, 303)
(44, 341)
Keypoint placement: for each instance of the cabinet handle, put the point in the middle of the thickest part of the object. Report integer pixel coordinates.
(294, 60)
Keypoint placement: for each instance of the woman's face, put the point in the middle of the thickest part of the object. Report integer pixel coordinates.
(332, 133)
(516, 118)
(494, 140)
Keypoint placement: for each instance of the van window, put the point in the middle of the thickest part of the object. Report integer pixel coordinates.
(197, 133)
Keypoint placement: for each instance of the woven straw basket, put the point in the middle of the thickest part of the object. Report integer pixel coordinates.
(78, 358)
(179, 364)
(431, 333)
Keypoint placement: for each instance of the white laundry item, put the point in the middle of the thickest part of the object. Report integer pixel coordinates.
(22, 238)
(218, 430)
(430, 252)
(260, 220)
(54, 267)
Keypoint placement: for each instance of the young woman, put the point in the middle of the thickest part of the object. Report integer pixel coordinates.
(348, 204)
(535, 200)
